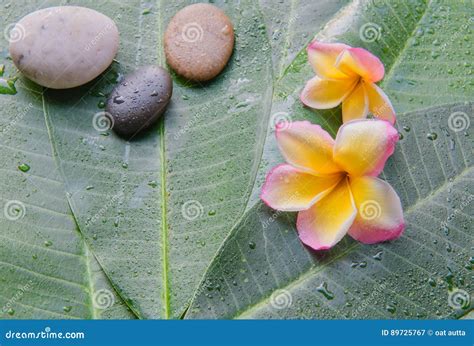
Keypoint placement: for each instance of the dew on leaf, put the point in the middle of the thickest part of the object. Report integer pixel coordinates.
(323, 289)
(24, 167)
(153, 183)
(378, 256)
(391, 308)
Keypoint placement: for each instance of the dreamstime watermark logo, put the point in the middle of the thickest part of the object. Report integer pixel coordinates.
(18, 118)
(14, 32)
(458, 210)
(17, 296)
(370, 210)
(459, 299)
(192, 210)
(103, 121)
(280, 120)
(14, 210)
(378, 292)
(370, 32)
(281, 299)
(97, 38)
(192, 123)
(192, 32)
(459, 121)
(104, 209)
(277, 213)
(103, 299)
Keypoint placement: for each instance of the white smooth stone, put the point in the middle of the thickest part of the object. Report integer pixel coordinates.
(64, 47)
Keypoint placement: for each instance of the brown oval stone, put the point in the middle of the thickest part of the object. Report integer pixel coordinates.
(199, 41)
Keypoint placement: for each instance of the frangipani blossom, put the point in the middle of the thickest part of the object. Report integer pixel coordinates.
(348, 75)
(333, 183)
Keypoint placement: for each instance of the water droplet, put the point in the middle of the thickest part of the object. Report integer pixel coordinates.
(406, 128)
(391, 308)
(378, 256)
(119, 99)
(432, 136)
(363, 264)
(67, 308)
(146, 11)
(211, 212)
(153, 184)
(154, 93)
(432, 282)
(90, 187)
(252, 245)
(323, 289)
(101, 104)
(24, 167)
(226, 30)
(48, 243)
(11, 312)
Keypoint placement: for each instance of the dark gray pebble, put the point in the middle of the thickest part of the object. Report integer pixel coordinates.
(139, 100)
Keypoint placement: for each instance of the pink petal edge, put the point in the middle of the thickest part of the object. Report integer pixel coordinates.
(265, 184)
(377, 235)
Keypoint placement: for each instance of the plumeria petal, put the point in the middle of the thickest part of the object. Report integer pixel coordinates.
(356, 105)
(363, 146)
(288, 189)
(380, 214)
(326, 222)
(361, 62)
(379, 103)
(307, 147)
(326, 93)
(323, 56)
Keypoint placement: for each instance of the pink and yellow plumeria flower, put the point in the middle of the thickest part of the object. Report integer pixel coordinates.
(348, 75)
(333, 183)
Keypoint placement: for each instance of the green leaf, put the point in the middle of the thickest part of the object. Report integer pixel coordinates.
(292, 24)
(162, 204)
(155, 210)
(264, 271)
(133, 202)
(46, 270)
(423, 67)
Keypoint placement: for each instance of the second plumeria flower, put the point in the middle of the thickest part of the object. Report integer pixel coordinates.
(348, 75)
